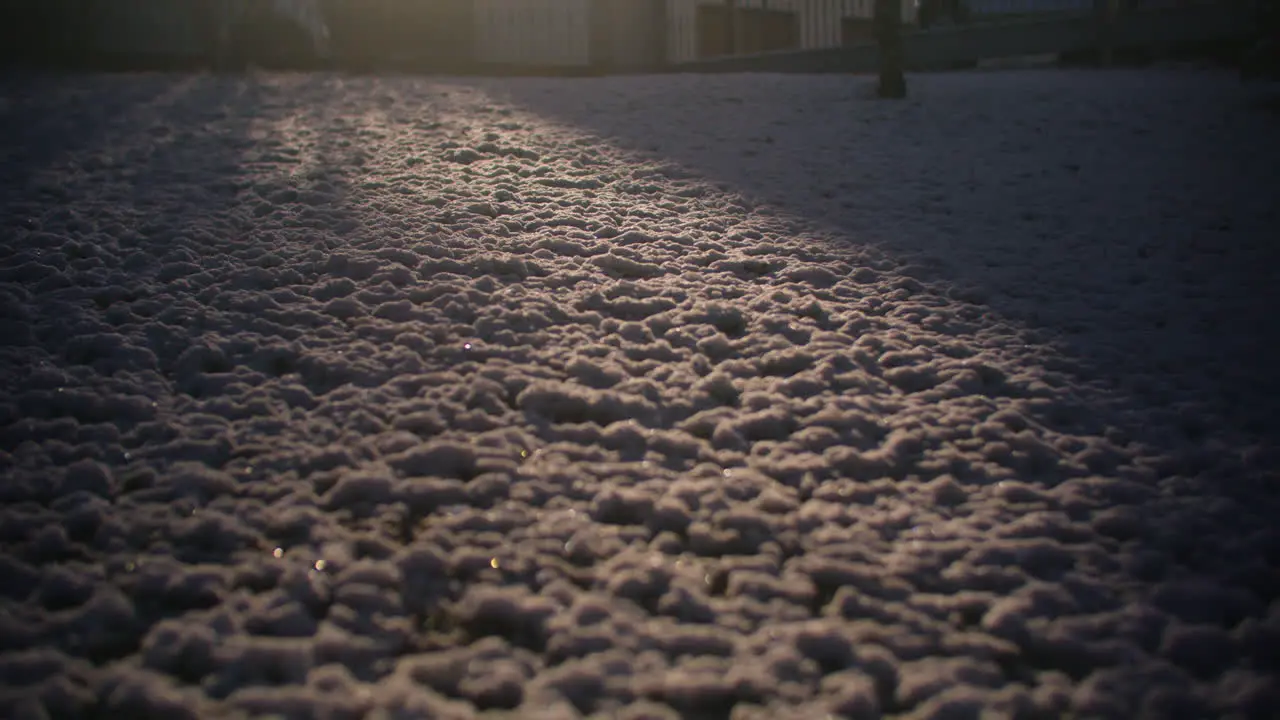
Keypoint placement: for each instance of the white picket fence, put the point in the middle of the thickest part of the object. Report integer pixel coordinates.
(533, 32)
(545, 33)
(558, 33)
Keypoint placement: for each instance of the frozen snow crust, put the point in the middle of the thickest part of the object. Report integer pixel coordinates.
(681, 397)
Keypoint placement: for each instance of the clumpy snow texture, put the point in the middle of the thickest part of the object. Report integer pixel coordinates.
(723, 397)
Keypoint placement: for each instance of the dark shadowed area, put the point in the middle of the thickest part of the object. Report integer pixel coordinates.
(1128, 226)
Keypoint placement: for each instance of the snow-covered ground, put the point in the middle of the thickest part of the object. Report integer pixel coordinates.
(703, 397)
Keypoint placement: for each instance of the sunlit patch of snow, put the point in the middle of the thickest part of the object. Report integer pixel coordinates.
(439, 398)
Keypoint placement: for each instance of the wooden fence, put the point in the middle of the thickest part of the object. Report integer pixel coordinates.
(537, 32)
(563, 32)
(482, 35)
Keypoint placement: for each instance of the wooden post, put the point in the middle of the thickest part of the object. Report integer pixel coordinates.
(888, 28)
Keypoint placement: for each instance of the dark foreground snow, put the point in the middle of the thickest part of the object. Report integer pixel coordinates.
(706, 397)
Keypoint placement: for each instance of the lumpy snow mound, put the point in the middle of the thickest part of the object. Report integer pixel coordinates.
(670, 397)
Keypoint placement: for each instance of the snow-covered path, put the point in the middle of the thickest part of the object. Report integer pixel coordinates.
(705, 397)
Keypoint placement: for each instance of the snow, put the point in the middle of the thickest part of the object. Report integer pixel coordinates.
(646, 397)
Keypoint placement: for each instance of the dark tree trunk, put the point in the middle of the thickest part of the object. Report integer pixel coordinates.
(888, 24)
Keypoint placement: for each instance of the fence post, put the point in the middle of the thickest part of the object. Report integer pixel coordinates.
(888, 30)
